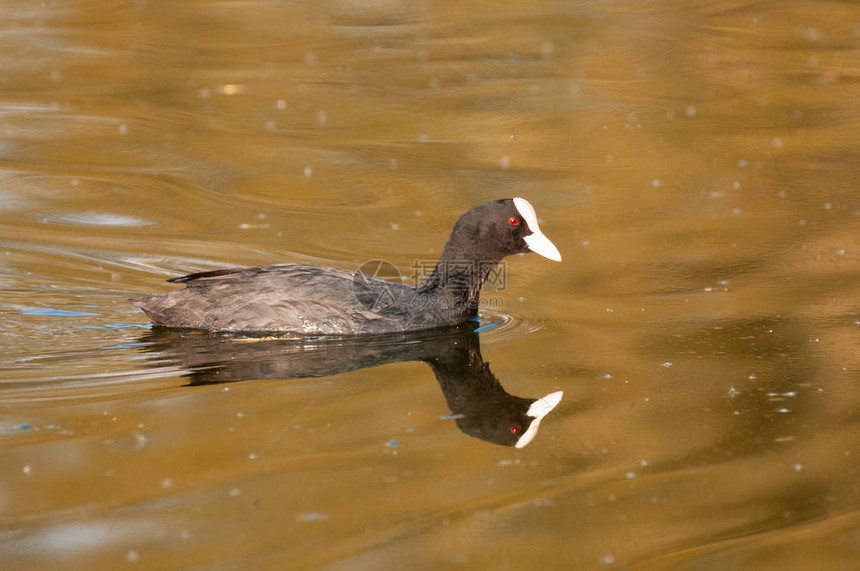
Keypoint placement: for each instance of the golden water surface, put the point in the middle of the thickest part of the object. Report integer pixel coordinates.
(697, 164)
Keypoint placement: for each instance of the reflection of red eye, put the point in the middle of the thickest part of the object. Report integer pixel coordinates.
(514, 221)
(515, 429)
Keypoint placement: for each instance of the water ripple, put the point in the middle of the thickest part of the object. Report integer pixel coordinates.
(505, 325)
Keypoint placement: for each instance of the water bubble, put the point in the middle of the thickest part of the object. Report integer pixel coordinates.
(312, 516)
(233, 89)
(546, 49)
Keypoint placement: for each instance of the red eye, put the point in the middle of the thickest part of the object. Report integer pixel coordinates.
(515, 429)
(514, 221)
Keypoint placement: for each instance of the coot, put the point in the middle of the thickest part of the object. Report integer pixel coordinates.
(313, 300)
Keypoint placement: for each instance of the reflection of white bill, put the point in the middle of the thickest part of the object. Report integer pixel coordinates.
(539, 409)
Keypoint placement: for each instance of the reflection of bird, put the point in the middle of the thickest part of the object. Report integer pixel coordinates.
(475, 397)
(481, 405)
(306, 299)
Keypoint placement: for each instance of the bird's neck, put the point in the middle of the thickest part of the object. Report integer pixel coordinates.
(458, 278)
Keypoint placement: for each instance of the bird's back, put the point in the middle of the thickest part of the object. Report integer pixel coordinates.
(294, 298)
